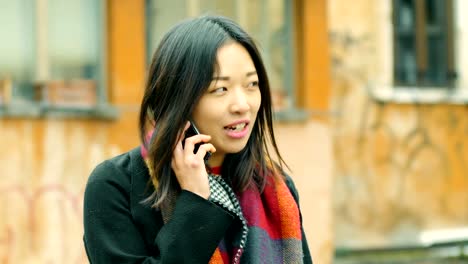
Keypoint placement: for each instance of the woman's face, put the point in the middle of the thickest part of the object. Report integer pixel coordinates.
(228, 109)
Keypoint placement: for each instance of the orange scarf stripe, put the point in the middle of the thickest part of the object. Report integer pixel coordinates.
(216, 258)
(289, 217)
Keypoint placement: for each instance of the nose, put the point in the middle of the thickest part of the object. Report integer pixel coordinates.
(239, 101)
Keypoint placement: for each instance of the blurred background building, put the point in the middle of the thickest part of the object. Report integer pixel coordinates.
(371, 115)
(400, 139)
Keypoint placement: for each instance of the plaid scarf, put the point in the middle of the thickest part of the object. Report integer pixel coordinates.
(269, 223)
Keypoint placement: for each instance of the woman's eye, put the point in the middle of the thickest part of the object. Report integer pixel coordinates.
(219, 90)
(253, 84)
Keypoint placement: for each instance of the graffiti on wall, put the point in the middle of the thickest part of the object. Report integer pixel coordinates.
(35, 218)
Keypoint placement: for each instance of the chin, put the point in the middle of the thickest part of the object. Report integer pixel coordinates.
(235, 149)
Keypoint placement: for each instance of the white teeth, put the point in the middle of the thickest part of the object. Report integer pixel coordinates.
(238, 127)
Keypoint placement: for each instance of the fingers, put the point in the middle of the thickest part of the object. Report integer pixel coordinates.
(190, 142)
(184, 153)
(203, 149)
(189, 167)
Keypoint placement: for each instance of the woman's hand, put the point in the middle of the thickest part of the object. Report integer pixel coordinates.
(188, 167)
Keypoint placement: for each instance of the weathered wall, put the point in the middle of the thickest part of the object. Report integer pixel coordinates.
(307, 149)
(44, 163)
(399, 168)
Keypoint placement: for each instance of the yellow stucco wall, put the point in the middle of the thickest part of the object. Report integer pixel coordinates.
(45, 163)
(400, 167)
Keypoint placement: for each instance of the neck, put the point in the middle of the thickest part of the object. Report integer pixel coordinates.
(216, 160)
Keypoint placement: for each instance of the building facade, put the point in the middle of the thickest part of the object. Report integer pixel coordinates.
(400, 134)
(72, 77)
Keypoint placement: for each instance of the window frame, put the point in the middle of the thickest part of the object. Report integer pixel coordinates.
(25, 106)
(382, 88)
(420, 34)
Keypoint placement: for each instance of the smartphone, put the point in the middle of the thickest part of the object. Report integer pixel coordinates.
(192, 131)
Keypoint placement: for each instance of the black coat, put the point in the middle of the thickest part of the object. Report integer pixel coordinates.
(118, 228)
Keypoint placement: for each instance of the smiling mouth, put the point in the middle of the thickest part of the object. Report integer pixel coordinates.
(238, 127)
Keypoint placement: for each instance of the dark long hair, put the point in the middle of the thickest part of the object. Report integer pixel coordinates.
(181, 70)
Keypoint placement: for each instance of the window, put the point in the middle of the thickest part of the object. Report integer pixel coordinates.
(18, 53)
(423, 43)
(53, 58)
(268, 21)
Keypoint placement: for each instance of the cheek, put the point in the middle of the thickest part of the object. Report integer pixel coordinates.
(201, 110)
(257, 102)
(205, 116)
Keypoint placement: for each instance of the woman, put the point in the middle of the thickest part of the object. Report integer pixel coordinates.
(170, 201)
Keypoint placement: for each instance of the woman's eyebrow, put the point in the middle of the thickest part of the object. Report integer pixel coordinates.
(220, 78)
(226, 78)
(251, 73)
